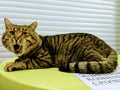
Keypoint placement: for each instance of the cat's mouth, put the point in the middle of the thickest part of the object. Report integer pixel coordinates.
(17, 48)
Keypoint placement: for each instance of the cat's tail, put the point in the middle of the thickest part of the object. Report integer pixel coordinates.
(107, 65)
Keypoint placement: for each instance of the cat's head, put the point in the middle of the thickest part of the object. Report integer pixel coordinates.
(20, 39)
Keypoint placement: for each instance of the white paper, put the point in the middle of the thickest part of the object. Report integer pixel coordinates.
(101, 81)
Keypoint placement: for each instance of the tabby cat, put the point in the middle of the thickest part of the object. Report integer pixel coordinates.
(73, 52)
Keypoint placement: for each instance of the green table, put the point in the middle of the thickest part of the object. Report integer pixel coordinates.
(39, 79)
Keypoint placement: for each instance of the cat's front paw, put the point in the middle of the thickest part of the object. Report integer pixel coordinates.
(12, 66)
(9, 66)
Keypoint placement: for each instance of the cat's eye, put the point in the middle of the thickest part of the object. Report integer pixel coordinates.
(24, 33)
(12, 32)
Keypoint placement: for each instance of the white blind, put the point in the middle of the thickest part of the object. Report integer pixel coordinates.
(63, 16)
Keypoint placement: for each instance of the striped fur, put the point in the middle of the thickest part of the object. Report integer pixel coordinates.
(73, 52)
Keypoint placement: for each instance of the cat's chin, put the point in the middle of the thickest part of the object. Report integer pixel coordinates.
(19, 54)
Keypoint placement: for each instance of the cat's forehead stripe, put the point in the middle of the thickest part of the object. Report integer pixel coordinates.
(19, 27)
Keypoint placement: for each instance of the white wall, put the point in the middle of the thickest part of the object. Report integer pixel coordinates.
(63, 16)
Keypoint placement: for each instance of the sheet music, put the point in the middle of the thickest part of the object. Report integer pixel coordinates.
(101, 81)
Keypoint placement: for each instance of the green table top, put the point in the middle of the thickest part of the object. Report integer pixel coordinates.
(39, 79)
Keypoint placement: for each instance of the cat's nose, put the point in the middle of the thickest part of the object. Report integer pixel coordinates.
(17, 37)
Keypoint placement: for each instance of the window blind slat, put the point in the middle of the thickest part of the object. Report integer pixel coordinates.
(57, 7)
(54, 12)
(68, 3)
(65, 15)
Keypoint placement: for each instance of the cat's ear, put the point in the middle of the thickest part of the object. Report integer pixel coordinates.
(33, 26)
(8, 24)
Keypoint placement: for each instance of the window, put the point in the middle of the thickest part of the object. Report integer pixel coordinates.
(63, 16)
